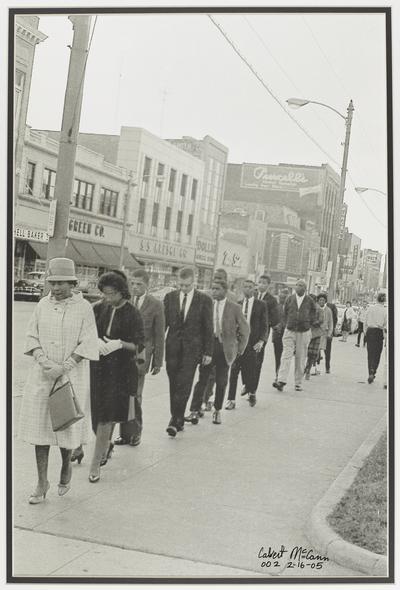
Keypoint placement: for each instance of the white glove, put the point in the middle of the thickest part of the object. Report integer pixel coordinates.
(102, 346)
(112, 345)
(69, 364)
(54, 372)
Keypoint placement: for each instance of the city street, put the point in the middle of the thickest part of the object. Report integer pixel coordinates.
(205, 503)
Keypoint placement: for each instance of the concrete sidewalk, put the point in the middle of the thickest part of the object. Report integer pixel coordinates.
(205, 503)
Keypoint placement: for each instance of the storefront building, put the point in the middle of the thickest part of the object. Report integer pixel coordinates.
(95, 223)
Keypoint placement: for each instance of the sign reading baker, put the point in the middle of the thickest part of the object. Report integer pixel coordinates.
(159, 249)
(281, 178)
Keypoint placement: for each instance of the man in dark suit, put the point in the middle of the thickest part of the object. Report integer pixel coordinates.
(328, 350)
(256, 314)
(189, 321)
(152, 312)
(231, 333)
(270, 301)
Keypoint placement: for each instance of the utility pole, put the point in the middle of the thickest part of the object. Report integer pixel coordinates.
(335, 245)
(69, 135)
(125, 220)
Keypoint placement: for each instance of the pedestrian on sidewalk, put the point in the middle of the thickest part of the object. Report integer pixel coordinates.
(231, 333)
(256, 315)
(61, 338)
(299, 315)
(219, 275)
(376, 327)
(349, 315)
(152, 312)
(313, 350)
(329, 340)
(189, 321)
(264, 284)
(278, 330)
(114, 379)
(361, 320)
(326, 325)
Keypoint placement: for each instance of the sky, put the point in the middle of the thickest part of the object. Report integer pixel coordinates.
(177, 75)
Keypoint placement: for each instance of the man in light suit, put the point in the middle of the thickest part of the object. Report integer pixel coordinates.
(256, 314)
(152, 312)
(231, 333)
(189, 321)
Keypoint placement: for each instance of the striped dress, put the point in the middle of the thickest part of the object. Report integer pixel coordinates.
(60, 328)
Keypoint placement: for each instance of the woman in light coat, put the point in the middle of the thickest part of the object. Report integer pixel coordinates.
(349, 315)
(61, 338)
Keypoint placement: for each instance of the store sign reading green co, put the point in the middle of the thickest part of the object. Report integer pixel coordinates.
(87, 228)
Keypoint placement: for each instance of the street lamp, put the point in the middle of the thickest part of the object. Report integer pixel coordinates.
(362, 189)
(301, 102)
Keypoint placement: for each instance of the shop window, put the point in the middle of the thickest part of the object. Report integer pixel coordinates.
(49, 183)
(146, 169)
(190, 225)
(179, 222)
(142, 210)
(183, 185)
(30, 177)
(194, 189)
(108, 202)
(172, 180)
(83, 195)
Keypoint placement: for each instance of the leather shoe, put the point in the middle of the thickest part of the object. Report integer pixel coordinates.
(371, 378)
(230, 405)
(172, 431)
(180, 428)
(135, 441)
(193, 418)
(244, 391)
(252, 399)
(279, 385)
(217, 417)
(120, 441)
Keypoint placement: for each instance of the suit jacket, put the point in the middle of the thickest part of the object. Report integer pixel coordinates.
(258, 322)
(300, 320)
(234, 331)
(194, 337)
(152, 313)
(229, 295)
(273, 310)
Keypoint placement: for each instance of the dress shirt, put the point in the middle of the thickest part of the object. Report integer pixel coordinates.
(221, 307)
(188, 301)
(249, 308)
(376, 317)
(299, 300)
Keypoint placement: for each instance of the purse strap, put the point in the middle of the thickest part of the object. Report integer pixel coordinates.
(55, 383)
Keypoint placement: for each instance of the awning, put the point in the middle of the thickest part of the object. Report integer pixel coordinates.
(110, 254)
(40, 248)
(83, 252)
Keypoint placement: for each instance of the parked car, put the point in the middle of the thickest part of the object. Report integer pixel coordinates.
(24, 291)
(36, 279)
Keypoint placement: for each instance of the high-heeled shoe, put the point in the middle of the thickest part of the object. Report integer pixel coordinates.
(94, 477)
(63, 488)
(37, 497)
(77, 455)
(109, 454)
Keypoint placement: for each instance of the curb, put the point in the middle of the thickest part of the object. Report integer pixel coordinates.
(324, 538)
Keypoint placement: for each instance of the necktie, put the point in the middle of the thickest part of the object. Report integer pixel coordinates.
(182, 314)
(137, 301)
(217, 323)
(246, 307)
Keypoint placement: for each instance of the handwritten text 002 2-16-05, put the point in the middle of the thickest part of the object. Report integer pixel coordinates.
(298, 557)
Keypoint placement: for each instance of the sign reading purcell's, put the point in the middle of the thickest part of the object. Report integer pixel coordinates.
(283, 178)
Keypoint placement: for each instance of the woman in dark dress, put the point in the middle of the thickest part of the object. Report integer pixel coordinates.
(114, 378)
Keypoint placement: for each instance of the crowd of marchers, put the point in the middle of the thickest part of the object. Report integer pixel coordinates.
(106, 349)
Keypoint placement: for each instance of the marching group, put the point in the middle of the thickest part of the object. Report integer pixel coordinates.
(104, 352)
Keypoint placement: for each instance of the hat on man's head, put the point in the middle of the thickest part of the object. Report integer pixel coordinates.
(61, 269)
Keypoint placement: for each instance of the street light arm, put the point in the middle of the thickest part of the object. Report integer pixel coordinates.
(363, 189)
(322, 104)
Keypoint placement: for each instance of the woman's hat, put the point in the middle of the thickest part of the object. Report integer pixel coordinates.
(61, 269)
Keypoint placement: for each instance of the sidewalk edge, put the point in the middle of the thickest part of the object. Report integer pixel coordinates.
(324, 538)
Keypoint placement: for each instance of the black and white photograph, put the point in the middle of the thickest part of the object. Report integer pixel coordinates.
(200, 380)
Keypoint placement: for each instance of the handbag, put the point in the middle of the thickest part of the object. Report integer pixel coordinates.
(64, 407)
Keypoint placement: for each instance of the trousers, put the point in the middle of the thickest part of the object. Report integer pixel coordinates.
(246, 364)
(180, 374)
(374, 348)
(278, 349)
(294, 341)
(221, 379)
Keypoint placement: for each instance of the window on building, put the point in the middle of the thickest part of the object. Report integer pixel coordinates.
(260, 215)
(49, 182)
(142, 210)
(30, 177)
(160, 175)
(190, 225)
(183, 185)
(179, 222)
(108, 202)
(194, 189)
(83, 195)
(154, 219)
(167, 223)
(172, 180)
(146, 169)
